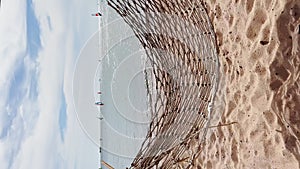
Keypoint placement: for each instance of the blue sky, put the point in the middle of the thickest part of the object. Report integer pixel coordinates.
(39, 45)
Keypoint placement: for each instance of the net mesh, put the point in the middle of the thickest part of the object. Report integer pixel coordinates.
(181, 75)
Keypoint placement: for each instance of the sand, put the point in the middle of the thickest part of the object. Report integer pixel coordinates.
(257, 105)
(258, 46)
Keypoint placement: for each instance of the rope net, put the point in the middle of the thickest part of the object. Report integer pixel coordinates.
(181, 76)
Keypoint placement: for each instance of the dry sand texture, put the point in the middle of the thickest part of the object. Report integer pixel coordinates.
(257, 105)
(259, 55)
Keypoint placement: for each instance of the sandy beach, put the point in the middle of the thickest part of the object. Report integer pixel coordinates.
(227, 103)
(258, 47)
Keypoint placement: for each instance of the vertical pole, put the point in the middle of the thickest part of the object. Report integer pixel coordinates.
(100, 50)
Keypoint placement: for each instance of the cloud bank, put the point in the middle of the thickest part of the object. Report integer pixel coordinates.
(38, 48)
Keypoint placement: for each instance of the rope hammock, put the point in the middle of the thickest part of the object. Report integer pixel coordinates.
(181, 76)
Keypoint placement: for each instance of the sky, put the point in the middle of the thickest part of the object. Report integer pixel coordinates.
(39, 45)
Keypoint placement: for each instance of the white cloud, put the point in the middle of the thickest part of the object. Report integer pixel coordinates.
(42, 148)
(34, 140)
(12, 45)
(12, 51)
